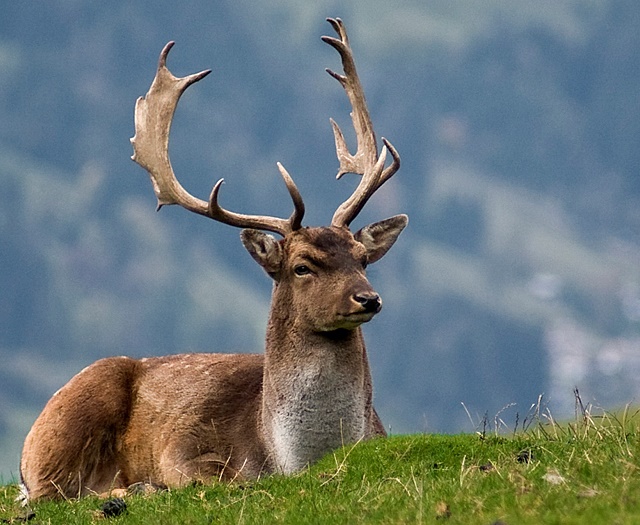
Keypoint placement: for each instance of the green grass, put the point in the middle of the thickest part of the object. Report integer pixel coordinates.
(585, 472)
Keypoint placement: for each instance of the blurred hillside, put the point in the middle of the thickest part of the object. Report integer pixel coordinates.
(518, 127)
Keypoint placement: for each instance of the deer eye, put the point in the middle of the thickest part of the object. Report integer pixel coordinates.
(302, 269)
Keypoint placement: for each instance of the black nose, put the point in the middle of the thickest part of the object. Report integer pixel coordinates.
(371, 302)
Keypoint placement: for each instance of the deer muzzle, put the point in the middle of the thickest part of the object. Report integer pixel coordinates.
(361, 306)
(369, 301)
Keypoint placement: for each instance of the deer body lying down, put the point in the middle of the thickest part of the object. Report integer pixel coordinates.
(172, 420)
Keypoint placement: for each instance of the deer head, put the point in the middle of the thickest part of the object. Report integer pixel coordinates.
(303, 253)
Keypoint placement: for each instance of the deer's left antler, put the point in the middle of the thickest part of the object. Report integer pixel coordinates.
(365, 161)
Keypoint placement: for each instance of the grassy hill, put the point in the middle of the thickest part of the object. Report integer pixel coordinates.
(585, 472)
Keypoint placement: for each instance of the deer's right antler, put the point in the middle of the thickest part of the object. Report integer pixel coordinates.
(153, 117)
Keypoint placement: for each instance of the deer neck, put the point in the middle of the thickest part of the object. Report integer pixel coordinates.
(316, 389)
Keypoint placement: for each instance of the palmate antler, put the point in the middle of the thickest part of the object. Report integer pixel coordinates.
(153, 117)
(154, 114)
(365, 161)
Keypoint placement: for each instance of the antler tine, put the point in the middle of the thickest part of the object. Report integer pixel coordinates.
(153, 117)
(365, 161)
(390, 170)
(260, 222)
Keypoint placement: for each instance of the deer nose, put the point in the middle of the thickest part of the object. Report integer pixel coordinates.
(370, 301)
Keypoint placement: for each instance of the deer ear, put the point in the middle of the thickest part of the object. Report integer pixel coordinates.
(264, 249)
(380, 236)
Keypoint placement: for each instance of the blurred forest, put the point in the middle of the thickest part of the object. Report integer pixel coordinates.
(518, 124)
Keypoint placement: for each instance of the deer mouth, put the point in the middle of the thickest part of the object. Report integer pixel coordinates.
(354, 319)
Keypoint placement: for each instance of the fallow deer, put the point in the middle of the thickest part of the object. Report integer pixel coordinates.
(173, 420)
